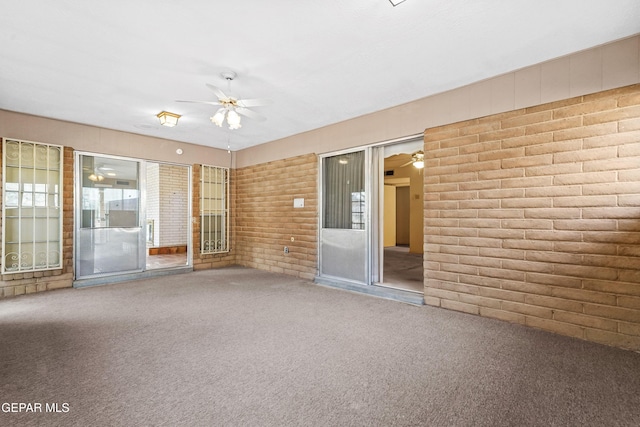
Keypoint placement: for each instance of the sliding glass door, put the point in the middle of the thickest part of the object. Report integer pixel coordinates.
(109, 233)
(345, 226)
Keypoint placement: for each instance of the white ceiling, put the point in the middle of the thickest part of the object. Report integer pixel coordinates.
(117, 64)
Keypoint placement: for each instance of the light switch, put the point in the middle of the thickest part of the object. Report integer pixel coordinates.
(298, 203)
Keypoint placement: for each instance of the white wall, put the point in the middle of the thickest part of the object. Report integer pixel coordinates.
(168, 203)
(174, 205)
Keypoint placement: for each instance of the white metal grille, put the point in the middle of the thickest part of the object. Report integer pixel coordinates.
(31, 206)
(214, 210)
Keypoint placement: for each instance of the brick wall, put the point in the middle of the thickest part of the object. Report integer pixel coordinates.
(173, 197)
(267, 220)
(533, 216)
(38, 281)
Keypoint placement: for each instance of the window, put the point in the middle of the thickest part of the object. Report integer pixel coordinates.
(344, 195)
(214, 210)
(31, 206)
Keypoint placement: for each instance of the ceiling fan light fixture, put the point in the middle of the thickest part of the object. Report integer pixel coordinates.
(218, 118)
(168, 119)
(96, 178)
(232, 107)
(233, 119)
(418, 160)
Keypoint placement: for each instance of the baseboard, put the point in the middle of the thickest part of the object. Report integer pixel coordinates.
(117, 278)
(407, 297)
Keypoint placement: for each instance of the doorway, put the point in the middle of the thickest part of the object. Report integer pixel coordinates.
(167, 215)
(402, 266)
(118, 217)
(371, 221)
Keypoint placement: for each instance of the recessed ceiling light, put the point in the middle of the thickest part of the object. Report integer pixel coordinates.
(396, 2)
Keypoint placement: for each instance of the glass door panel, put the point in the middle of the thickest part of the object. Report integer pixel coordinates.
(344, 226)
(110, 237)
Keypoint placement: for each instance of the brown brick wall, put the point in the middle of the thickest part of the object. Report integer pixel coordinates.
(38, 281)
(266, 219)
(533, 216)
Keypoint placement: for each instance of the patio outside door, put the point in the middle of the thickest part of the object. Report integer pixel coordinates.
(345, 226)
(110, 237)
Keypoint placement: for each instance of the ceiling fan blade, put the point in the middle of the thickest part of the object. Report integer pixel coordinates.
(248, 113)
(417, 156)
(254, 102)
(220, 94)
(202, 102)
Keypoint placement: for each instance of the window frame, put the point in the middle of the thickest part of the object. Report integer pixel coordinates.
(52, 200)
(207, 211)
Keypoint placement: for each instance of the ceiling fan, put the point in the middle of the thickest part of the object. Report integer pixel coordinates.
(417, 159)
(232, 108)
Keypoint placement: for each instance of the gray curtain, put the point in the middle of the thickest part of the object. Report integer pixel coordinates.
(343, 191)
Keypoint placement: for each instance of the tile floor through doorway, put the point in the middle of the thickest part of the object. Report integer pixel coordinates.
(166, 261)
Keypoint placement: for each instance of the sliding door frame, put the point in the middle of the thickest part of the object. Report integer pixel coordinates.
(374, 200)
(78, 214)
(128, 274)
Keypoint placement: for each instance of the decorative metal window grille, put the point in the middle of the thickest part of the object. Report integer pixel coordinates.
(214, 210)
(357, 210)
(31, 206)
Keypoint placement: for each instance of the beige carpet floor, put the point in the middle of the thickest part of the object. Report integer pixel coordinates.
(240, 347)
